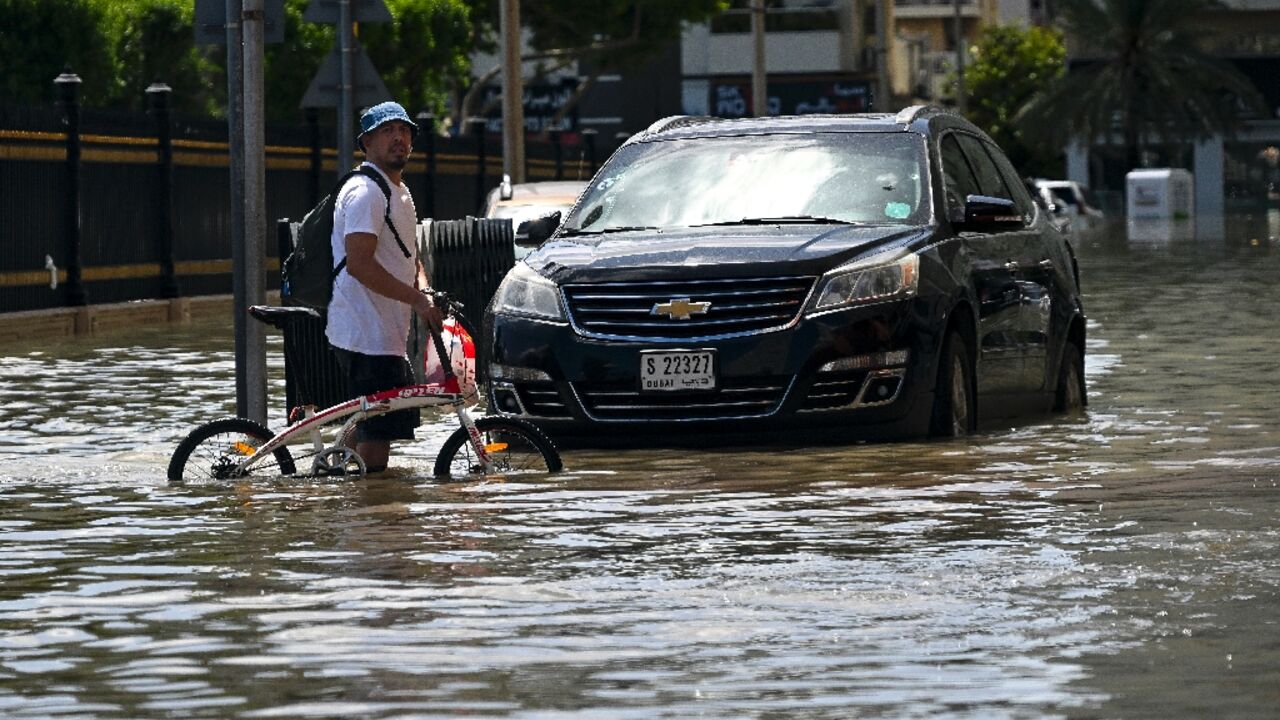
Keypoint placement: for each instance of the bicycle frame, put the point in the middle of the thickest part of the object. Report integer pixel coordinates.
(362, 408)
(444, 394)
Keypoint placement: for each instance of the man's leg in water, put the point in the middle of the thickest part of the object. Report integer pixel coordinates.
(367, 374)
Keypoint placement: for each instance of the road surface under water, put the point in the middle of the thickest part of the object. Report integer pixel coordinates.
(1120, 564)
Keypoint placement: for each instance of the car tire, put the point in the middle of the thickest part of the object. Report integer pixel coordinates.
(954, 410)
(1070, 395)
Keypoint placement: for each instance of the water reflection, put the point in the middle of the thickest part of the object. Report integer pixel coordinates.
(1102, 565)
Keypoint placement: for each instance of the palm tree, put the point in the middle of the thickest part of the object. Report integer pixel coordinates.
(1150, 81)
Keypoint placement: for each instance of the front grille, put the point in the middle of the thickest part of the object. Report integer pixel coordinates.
(736, 398)
(541, 399)
(738, 306)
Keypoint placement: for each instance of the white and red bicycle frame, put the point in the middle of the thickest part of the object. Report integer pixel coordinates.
(448, 394)
(362, 408)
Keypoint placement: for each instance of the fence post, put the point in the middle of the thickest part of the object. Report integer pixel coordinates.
(589, 137)
(427, 128)
(559, 155)
(317, 161)
(68, 85)
(482, 160)
(158, 94)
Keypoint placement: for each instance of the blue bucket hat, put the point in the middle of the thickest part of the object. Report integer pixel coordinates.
(383, 113)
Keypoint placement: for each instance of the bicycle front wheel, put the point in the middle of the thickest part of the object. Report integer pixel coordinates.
(514, 447)
(212, 452)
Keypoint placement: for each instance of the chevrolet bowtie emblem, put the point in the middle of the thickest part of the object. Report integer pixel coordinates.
(680, 308)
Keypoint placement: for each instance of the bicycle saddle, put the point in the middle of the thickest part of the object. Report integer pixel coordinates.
(280, 315)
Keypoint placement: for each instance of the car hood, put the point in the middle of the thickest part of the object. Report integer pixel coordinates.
(712, 252)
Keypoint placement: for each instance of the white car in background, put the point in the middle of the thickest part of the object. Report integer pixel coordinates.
(1069, 203)
(523, 202)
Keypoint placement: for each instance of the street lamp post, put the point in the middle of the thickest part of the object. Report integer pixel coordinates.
(68, 84)
(961, 100)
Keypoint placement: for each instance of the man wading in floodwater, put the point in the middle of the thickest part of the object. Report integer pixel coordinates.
(383, 281)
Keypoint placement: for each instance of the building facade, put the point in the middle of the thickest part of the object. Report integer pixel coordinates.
(825, 55)
(1240, 174)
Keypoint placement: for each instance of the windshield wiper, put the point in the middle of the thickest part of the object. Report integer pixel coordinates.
(602, 231)
(784, 220)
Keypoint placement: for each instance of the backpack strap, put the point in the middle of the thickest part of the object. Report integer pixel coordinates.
(386, 191)
(337, 269)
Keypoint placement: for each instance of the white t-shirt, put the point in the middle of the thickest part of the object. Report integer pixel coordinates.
(360, 319)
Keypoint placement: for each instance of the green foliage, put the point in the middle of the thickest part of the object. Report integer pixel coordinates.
(425, 51)
(119, 47)
(40, 38)
(291, 65)
(1011, 65)
(625, 31)
(1150, 82)
(154, 42)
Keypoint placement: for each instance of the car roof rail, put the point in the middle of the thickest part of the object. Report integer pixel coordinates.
(678, 121)
(915, 112)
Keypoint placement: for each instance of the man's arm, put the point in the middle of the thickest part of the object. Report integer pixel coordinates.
(369, 272)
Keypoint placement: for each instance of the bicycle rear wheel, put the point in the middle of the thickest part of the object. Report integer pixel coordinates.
(211, 452)
(514, 446)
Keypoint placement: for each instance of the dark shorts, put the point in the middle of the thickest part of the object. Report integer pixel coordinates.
(368, 374)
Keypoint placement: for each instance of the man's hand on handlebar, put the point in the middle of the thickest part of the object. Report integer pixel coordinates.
(426, 309)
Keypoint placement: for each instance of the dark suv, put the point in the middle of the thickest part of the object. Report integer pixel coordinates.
(883, 273)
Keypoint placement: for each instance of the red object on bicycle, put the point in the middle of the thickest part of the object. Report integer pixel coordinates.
(462, 353)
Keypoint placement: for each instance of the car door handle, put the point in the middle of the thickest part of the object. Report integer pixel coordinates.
(1045, 264)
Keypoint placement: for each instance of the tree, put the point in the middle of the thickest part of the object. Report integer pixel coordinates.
(153, 41)
(426, 50)
(614, 35)
(1011, 65)
(41, 38)
(1151, 82)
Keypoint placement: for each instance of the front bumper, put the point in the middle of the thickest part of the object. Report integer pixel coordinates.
(872, 367)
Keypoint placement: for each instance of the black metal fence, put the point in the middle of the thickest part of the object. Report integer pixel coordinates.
(100, 207)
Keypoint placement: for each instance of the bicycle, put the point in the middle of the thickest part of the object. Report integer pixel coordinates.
(232, 448)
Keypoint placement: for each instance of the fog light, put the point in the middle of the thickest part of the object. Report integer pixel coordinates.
(863, 362)
(881, 388)
(507, 401)
(520, 374)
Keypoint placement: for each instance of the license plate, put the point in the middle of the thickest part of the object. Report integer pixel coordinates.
(665, 370)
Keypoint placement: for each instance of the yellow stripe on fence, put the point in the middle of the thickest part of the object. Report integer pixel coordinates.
(136, 271)
(202, 153)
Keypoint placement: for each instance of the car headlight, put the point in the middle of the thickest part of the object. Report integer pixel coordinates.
(524, 292)
(863, 283)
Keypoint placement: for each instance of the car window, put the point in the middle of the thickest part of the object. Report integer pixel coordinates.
(989, 178)
(958, 178)
(1063, 195)
(875, 178)
(1021, 196)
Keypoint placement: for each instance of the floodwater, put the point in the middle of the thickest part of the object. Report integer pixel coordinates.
(1122, 564)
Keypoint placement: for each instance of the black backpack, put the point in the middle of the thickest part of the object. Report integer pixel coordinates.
(307, 275)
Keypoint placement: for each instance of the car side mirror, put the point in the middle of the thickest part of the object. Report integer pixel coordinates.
(984, 213)
(533, 233)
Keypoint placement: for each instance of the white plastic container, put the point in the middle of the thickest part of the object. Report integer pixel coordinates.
(1160, 193)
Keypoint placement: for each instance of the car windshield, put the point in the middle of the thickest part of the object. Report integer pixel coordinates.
(860, 178)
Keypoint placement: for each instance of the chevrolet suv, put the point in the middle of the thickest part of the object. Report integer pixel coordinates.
(882, 274)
